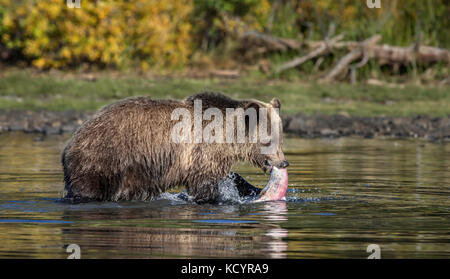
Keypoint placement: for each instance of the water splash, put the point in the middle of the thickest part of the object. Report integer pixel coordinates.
(228, 193)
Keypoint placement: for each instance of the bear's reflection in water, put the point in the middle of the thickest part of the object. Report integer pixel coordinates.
(180, 231)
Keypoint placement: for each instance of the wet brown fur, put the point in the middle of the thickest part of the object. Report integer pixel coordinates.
(125, 152)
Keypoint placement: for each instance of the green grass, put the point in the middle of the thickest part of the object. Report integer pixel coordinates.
(27, 91)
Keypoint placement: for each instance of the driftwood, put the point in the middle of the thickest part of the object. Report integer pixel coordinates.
(364, 51)
(353, 55)
(358, 65)
(322, 49)
(386, 54)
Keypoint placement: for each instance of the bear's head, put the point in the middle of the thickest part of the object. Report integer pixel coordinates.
(251, 130)
(267, 151)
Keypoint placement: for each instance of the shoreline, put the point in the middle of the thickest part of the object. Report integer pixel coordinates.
(334, 126)
(306, 126)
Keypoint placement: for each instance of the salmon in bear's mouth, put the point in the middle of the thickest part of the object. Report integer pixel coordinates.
(276, 187)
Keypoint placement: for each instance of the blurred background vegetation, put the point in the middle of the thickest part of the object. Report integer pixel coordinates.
(54, 57)
(175, 34)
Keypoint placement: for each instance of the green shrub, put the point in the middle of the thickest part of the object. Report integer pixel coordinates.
(214, 18)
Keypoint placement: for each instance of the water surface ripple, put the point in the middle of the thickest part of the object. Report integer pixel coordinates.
(343, 195)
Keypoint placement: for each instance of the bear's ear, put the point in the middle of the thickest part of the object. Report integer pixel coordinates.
(252, 104)
(249, 127)
(275, 102)
(255, 105)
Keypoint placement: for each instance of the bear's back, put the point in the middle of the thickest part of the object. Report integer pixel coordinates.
(213, 100)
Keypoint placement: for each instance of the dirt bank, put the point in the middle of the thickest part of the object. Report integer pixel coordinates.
(316, 126)
(429, 128)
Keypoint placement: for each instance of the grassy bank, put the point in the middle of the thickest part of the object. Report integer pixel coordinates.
(25, 90)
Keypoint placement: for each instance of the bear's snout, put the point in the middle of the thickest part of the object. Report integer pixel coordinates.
(284, 164)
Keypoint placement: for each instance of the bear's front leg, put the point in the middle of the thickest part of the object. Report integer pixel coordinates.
(207, 192)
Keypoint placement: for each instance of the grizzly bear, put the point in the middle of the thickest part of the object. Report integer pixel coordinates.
(126, 151)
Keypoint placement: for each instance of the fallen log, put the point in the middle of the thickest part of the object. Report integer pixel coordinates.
(395, 56)
(323, 48)
(300, 60)
(386, 54)
(353, 68)
(353, 55)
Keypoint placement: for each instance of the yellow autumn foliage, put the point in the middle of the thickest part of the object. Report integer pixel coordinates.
(165, 33)
(157, 33)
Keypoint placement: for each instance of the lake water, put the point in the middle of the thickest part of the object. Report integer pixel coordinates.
(343, 195)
